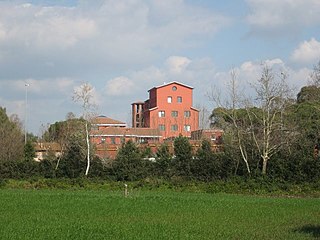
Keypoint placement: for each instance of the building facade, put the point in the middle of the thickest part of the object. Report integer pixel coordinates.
(105, 130)
(169, 109)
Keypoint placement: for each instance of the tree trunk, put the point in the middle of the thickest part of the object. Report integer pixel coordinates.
(88, 150)
(264, 165)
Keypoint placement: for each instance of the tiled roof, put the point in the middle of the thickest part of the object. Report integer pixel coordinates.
(174, 82)
(46, 146)
(107, 121)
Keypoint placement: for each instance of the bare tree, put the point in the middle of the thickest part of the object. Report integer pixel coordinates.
(256, 126)
(204, 117)
(315, 75)
(229, 108)
(84, 95)
(11, 137)
(267, 125)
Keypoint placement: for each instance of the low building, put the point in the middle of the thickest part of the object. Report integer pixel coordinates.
(108, 134)
(45, 149)
(214, 135)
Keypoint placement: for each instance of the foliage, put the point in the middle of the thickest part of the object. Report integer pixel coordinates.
(309, 94)
(29, 151)
(163, 161)
(11, 138)
(129, 164)
(183, 156)
(73, 162)
(61, 131)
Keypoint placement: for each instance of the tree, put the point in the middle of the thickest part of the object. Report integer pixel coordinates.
(129, 165)
(84, 95)
(269, 130)
(309, 94)
(183, 156)
(29, 151)
(73, 161)
(65, 133)
(315, 75)
(203, 165)
(228, 116)
(257, 127)
(163, 160)
(11, 137)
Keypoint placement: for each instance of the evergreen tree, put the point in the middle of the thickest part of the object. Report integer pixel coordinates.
(203, 166)
(129, 165)
(73, 162)
(29, 151)
(183, 156)
(163, 161)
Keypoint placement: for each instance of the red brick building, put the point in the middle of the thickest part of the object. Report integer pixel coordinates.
(107, 135)
(110, 131)
(169, 109)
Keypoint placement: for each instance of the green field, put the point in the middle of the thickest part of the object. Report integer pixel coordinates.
(66, 214)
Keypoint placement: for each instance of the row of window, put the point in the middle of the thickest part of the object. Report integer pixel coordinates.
(179, 99)
(174, 127)
(174, 114)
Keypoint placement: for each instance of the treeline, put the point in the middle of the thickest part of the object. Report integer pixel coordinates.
(133, 164)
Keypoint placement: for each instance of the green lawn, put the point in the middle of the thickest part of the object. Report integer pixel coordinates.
(65, 214)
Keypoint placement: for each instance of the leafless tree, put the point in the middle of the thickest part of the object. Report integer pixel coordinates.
(315, 75)
(11, 137)
(84, 95)
(204, 117)
(258, 122)
(228, 107)
(267, 128)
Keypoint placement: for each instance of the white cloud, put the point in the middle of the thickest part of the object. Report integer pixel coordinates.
(284, 15)
(307, 52)
(119, 86)
(103, 35)
(177, 64)
(43, 27)
(249, 72)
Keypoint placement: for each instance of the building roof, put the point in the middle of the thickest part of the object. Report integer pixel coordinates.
(103, 120)
(137, 102)
(46, 146)
(129, 132)
(170, 83)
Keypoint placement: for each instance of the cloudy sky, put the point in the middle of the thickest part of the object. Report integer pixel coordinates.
(125, 47)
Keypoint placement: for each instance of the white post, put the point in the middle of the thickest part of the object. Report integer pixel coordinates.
(125, 190)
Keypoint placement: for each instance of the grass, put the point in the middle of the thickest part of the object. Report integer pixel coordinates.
(83, 214)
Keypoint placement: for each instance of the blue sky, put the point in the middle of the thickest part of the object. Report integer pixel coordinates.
(125, 47)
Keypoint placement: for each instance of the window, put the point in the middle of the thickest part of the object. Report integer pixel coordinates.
(174, 88)
(113, 140)
(174, 114)
(187, 114)
(103, 140)
(169, 99)
(174, 128)
(179, 99)
(162, 114)
(162, 127)
(187, 128)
